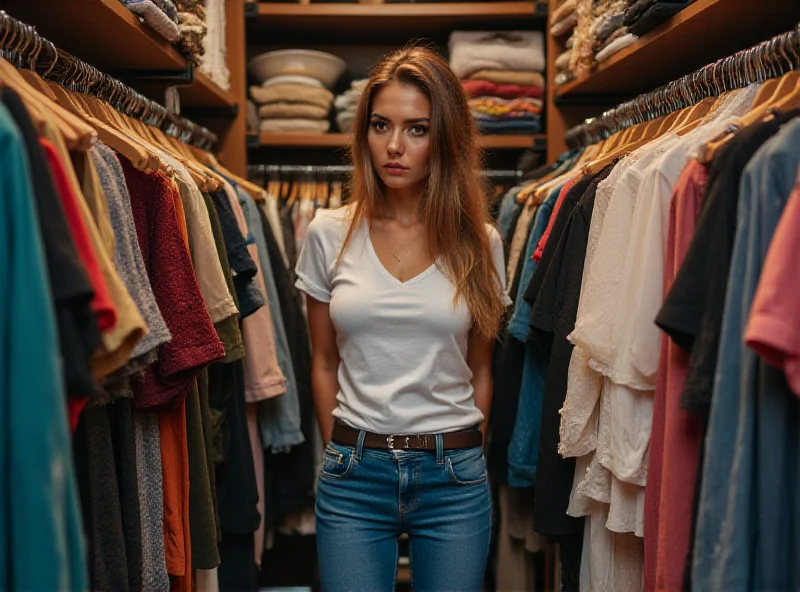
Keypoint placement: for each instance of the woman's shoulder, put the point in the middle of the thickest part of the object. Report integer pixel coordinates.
(330, 226)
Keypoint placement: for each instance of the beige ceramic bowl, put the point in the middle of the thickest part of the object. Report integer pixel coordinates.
(304, 62)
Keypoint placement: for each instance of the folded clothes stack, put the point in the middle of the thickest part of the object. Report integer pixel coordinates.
(502, 74)
(192, 24)
(161, 15)
(346, 105)
(292, 104)
(645, 15)
(564, 18)
(608, 31)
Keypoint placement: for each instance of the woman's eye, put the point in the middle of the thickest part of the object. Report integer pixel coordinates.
(418, 130)
(380, 126)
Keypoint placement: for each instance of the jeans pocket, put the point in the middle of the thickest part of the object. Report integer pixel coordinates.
(337, 461)
(467, 466)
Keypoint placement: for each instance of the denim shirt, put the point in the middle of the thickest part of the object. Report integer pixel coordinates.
(518, 325)
(524, 448)
(279, 417)
(745, 532)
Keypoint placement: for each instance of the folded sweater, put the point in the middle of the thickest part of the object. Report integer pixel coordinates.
(292, 93)
(297, 125)
(509, 77)
(484, 88)
(471, 51)
(292, 111)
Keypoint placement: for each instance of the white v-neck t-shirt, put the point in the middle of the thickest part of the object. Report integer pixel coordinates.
(402, 345)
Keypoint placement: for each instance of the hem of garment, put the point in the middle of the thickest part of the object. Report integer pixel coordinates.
(265, 390)
(233, 353)
(764, 336)
(222, 310)
(197, 355)
(307, 286)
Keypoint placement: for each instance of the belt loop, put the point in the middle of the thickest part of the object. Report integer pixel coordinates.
(360, 444)
(439, 449)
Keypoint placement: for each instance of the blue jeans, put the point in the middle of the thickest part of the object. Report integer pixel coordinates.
(366, 498)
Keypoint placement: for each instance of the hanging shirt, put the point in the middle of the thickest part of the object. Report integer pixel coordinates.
(41, 540)
(743, 541)
(775, 314)
(78, 332)
(194, 343)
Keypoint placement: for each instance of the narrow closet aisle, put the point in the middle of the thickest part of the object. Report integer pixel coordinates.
(168, 166)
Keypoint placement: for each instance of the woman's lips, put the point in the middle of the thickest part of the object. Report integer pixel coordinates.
(394, 169)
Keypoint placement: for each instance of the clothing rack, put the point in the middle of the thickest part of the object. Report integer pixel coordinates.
(264, 170)
(21, 45)
(770, 59)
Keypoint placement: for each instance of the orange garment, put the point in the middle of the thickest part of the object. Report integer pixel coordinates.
(537, 254)
(175, 471)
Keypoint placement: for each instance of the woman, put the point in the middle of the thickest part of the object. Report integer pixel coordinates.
(405, 292)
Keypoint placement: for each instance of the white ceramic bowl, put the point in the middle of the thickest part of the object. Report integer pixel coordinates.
(317, 64)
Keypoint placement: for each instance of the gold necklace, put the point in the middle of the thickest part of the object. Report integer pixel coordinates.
(405, 249)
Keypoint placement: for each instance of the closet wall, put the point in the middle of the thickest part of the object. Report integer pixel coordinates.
(704, 31)
(105, 34)
(361, 33)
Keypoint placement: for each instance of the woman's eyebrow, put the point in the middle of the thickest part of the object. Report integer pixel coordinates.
(412, 120)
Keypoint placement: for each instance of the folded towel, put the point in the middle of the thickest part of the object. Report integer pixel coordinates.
(292, 79)
(562, 11)
(615, 47)
(292, 93)
(509, 77)
(565, 25)
(158, 20)
(510, 126)
(484, 88)
(292, 111)
(496, 106)
(345, 121)
(471, 51)
(299, 126)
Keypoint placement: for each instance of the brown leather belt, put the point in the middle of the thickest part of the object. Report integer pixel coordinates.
(344, 434)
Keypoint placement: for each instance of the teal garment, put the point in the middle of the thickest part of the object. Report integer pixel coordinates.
(41, 541)
(279, 417)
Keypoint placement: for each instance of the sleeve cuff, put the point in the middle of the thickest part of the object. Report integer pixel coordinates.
(317, 293)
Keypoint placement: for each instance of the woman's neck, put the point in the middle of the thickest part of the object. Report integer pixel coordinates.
(402, 205)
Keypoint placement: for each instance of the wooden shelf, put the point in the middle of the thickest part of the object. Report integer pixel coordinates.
(499, 142)
(410, 19)
(703, 32)
(110, 37)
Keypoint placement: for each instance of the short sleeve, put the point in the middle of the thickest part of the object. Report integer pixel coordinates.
(772, 328)
(498, 257)
(314, 264)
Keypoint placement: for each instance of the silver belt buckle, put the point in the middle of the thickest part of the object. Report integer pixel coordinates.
(390, 442)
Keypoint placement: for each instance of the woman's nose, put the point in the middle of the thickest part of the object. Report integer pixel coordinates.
(395, 145)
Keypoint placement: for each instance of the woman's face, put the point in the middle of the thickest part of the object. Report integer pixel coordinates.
(399, 135)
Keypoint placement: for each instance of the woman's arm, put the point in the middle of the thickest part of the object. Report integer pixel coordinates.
(324, 364)
(479, 360)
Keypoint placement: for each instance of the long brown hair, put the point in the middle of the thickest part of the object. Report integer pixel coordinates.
(454, 204)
